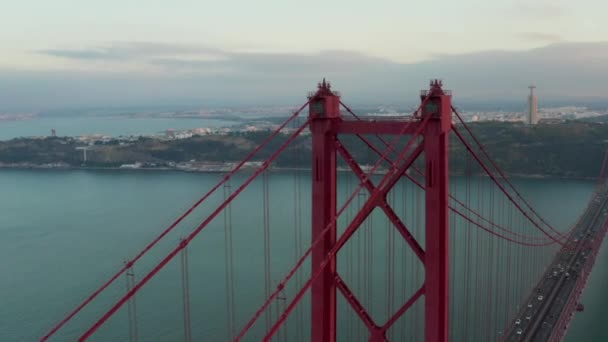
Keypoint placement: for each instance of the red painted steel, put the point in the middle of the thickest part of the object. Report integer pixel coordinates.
(509, 196)
(391, 178)
(504, 177)
(540, 241)
(490, 231)
(325, 125)
(436, 264)
(428, 129)
(191, 236)
(375, 127)
(356, 304)
(165, 232)
(324, 110)
(388, 211)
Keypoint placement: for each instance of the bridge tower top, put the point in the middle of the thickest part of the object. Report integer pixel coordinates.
(439, 104)
(324, 103)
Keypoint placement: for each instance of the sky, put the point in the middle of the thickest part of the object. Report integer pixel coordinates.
(68, 53)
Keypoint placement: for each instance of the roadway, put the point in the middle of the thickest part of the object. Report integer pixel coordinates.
(540, 315)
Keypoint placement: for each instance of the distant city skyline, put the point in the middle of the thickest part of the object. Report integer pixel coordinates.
(68, 53)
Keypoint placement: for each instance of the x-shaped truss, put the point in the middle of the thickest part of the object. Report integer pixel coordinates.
(378, 332)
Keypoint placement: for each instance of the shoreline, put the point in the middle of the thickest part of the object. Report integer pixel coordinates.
(245, 169)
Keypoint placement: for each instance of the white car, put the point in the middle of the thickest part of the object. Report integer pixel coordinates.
(540, 297)
(518, 321)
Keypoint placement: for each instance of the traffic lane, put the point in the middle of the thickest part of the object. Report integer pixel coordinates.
(567, 287)
(557, 271)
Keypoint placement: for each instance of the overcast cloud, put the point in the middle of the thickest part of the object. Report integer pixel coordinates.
(202, 75)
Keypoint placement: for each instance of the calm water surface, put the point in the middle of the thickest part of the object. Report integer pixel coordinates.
(110, 126)
(64, 232)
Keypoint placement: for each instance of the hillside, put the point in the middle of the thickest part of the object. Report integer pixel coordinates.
(596, 119)
(572, 149)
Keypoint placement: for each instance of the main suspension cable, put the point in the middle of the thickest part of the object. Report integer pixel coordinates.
(171, 227)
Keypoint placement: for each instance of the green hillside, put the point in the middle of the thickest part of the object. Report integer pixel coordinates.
(572, 149)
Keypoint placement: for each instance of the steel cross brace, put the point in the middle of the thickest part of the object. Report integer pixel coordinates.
(382, 203)
(389, 180)
(378, 333)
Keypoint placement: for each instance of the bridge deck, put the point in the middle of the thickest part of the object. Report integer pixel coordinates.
(547, 311)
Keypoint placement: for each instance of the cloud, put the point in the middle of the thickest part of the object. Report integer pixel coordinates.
(298, 64)
(84, 54)
(539, 37)
(131, 51)
(561, 70)
(203, 59)
(538, 10)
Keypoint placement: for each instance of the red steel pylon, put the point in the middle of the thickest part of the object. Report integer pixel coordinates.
(432, 122)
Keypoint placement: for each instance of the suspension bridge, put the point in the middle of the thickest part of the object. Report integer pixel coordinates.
(420, 245)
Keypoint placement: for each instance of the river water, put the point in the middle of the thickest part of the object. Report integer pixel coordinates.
(109, 126)
(64, 232)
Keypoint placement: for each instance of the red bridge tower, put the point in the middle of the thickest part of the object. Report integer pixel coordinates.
(432, 122)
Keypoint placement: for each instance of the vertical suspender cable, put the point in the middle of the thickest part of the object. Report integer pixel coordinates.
(521, 264)
(467, 250)
(297, 224)
(160, 265)
(477, 266)
(391, 267)
(186, 292)
(420, 222)
(266, 228)
(512, 264)
(499, 271)
(150, 245)
(228, 253)
(350, 319)
(283, 308)
(482, 264)
(280, 299)
(409, 200)
(387, 277)
(131, 305)
(361, 331)
(370, 263)
(365, 267)
(453, 262)
(404, 267)
(491, 267)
